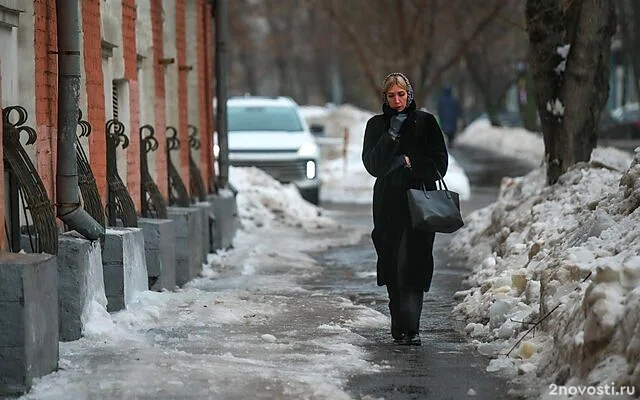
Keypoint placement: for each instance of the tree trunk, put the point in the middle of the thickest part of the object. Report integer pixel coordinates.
(569, 56)
(249, 72)
(491, 94)
(527, 104)
(629, 12)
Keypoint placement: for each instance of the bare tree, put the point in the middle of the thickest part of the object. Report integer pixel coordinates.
(272, 48)
(243, 26)
(629, 12)
(569, 56)
(423, 38)
(494, 61)
(335, 50)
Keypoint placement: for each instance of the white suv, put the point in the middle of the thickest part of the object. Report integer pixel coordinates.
(270, 133)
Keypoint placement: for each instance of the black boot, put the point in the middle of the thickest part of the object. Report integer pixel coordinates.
(408, 340)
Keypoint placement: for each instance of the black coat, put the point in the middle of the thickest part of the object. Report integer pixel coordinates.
(405, 255)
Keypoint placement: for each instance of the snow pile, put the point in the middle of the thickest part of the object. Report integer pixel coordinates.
(311, 113)
(343, 176)
(512, 142)
(567, 255)
(337, 119)
(262, 199)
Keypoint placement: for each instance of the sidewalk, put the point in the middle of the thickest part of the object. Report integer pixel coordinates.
(246, 329)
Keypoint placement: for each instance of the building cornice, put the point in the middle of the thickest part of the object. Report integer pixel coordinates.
(10, 12)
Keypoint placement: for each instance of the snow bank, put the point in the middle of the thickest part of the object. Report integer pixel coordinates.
(567, 255)
(262, 199)
(512, 142)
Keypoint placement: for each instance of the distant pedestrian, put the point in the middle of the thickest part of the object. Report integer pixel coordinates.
(448, 113)
(402, 149)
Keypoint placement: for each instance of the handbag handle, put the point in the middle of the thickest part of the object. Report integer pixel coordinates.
(440, 183)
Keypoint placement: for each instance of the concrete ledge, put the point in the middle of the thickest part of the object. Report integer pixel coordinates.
(225, 226)
(124, 266)
(160, 252)
(28, 319)
(80, 283)
(207, 224)
(188, 242)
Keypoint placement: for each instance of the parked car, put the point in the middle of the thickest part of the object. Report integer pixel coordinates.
(270, 133)
(621, 123)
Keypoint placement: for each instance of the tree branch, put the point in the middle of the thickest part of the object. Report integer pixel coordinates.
(462, 48)
(328, 7)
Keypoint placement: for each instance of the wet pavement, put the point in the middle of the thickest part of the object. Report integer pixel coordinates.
(628, 145)
(446, 366)
(251, 334)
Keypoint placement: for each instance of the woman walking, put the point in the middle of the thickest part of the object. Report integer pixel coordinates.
(402, 148)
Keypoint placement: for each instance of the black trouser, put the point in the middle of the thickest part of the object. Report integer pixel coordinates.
(405, 306)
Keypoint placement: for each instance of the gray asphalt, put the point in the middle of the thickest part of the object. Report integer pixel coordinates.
(446, 366)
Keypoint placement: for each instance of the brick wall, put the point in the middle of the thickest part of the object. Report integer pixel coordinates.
(159, 107)
(92, 53)
(131, 75)
(183, 97)
(46, 83)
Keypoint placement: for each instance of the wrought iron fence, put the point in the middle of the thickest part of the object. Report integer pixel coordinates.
(119, 202)
(26, 190)
(178, 194)
(86, 179)
(153, 205)
(198, 189)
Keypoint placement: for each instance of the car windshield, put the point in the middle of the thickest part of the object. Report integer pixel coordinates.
(255, 118)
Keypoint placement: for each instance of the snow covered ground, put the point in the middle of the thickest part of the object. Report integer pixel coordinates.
(569, 253)
(245, 328)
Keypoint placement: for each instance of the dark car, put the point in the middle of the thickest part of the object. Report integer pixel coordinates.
(621, 123)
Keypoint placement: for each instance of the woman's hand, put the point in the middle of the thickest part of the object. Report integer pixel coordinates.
(407, 161)
(396, 124)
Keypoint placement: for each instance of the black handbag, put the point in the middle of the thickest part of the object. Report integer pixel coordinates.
(435, 210)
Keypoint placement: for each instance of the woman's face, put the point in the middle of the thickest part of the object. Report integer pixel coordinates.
(397, 98)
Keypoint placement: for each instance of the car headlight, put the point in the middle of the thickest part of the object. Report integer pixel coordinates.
(308, 150)
(311, 169)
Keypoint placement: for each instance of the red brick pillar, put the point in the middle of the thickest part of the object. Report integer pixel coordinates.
(205, 89)
(131, 75)
(46, 91)
(159, 106)
(92, 52)
(183, 96)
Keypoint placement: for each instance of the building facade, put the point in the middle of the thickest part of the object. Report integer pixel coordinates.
(144, 62)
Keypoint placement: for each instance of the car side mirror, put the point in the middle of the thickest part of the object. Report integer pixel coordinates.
(317, 129)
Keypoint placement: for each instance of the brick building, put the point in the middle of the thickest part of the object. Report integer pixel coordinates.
(143, 62)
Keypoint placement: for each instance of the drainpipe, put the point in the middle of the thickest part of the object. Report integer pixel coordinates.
(67, 190)
(220, 19)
